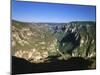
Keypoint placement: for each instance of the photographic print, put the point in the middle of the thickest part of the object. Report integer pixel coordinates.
(52, 37)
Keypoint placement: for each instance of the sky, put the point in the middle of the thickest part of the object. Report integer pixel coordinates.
(51, 12)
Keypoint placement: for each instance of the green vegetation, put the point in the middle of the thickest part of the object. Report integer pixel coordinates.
(37, 42)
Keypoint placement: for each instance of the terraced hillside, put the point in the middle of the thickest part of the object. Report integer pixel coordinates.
(36, 42)
(32, 42)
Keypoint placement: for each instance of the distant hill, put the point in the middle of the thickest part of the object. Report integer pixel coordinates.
(84, 22)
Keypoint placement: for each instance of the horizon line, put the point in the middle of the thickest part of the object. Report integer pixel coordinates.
(56, 22)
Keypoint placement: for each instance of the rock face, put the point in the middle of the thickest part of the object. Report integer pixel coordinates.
(79, 39)
(32, 42)
(35, 42)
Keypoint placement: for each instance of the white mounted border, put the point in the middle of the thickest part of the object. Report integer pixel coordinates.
(82, 2)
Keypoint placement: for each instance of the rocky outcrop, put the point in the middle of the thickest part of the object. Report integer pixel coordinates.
(78, 39)
(32, 41)
(35, 42)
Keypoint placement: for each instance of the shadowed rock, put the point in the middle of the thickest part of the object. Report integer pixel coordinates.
(21, 66)
(70, 40)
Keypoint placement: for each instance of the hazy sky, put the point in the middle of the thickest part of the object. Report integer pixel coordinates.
(46, 12)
